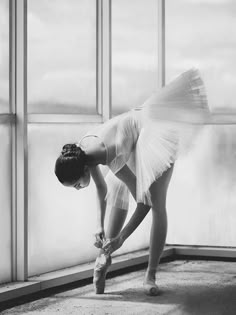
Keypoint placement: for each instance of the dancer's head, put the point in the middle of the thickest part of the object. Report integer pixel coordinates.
(71, 169)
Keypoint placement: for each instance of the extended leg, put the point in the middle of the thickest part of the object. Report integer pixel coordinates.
(158, 230)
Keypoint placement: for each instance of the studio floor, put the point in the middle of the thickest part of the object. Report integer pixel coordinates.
(186, 287)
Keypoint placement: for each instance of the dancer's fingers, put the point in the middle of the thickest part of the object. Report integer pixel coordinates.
(97, 244)
(98, 237)
(108, 247)
(98, 241)
(106, 244)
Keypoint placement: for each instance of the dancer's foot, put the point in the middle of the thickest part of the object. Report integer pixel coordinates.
(149, 285)
(102, 264)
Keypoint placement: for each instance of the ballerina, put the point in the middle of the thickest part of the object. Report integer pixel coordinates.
(140, 147)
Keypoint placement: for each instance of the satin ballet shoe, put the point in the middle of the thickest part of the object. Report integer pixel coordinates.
(150, 288)
(102, 264)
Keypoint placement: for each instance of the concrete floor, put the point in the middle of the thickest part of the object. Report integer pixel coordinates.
(187, 287)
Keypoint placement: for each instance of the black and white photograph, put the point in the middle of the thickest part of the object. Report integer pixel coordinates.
(118, 157)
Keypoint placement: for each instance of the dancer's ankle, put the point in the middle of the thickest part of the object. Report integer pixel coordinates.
(151, 274)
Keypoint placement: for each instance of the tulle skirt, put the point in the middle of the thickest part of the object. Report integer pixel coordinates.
(164, 127)
(169, 122)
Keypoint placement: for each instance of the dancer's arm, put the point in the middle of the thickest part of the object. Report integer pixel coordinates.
(101, 194)
(126, 175)
(139, 214)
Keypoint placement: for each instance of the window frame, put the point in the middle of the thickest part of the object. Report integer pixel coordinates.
(19, 118)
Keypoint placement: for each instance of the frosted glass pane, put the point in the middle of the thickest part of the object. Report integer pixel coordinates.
(62, 56)
(5, 202)
(4, 56)
(202, 34)
(62, 220)
(202, 195)
(134, 52)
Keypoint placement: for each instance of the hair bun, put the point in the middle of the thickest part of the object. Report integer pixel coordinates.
(70, 149)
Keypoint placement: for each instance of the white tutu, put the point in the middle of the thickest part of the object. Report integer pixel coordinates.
(150, 138)
(182, 100)
(167, 124)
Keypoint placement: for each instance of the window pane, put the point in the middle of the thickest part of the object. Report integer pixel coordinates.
(62, 56)
(202, 194)
(4, 56)
(202, 34)
(5, 204)
(134, 52)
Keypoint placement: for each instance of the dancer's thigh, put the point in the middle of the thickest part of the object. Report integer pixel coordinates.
(159, 188)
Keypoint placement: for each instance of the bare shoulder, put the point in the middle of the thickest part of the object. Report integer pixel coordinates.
(95, 171)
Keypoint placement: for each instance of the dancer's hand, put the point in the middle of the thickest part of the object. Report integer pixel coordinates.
(99, 237)
(112, 244)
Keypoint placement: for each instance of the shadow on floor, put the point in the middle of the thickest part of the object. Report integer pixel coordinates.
(190, 299)
(185, 290)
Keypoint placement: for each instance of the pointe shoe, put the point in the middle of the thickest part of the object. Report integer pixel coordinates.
(100, 271)
(150, 288)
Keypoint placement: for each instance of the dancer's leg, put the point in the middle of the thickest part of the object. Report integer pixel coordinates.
(158, 192)
(116, 221)
(119, 196)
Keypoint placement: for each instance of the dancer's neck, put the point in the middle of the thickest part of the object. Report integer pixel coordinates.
(96, 155)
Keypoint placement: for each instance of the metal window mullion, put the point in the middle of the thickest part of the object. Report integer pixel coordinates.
(20, 178)
(63, 118)
(106, 59)
(12, 39)
(99, 55)
(161, 43)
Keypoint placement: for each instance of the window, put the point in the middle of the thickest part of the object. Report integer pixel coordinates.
(5, 202)
(4, 56)
(5, 157)
(62, 56)
(134, 52)
(201, 34)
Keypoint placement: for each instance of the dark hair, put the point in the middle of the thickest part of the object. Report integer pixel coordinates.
(70, 164)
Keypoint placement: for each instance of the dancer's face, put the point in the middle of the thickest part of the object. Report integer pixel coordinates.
(82, 182)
